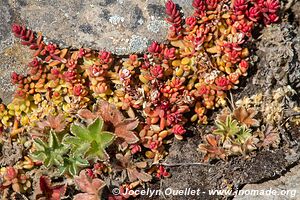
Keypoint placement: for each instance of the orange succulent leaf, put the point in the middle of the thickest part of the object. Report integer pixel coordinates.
(57, 123)
(211, 148)
(108, 112)
(54, 63)
(245, 116)
(63, 53)
(212, 140)
(86, 114)
(124, 130)
(90, 187)
(182, 43)
(123, 127)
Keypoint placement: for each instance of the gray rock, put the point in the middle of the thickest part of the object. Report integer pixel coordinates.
(122, 27)
(13, 56)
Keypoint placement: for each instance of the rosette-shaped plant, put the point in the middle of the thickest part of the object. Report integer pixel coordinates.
(227, 129)
(50, 153)
(232, 134)
(90, 141)
(54, 153)
(73, 164)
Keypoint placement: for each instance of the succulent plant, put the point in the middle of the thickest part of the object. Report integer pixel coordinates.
(228, 129)
(56, 123)
(15, 178)
(47, 190)
(91, 187)
(243, 134)
(162, 172)
(233, 135)
(212, 149)
(269, 137)
(89, 141)
(246, 116)
(123, 127)
(50, 153)
(73, 164)
(133, 174)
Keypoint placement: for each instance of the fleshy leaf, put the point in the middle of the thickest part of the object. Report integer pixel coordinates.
(126, 163)
(134, 174)
(108, 112)
(90, 187)
(243, 135)
(86, 115)
(56, 123)
(73, 164)
(79, 131)
(245, 116)
(53, 140)
(221, 117)
(211, 149)
(50, 153)
(228, 129)
(124, 130)
(90, 141)
(96, 127)
(49, 191)
(40, 145)
(123, 127)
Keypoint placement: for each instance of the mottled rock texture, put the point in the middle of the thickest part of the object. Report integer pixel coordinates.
(119, 26)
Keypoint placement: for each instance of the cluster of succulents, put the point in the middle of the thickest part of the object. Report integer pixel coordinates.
(15, 178)
(112, 115)
(237, 132)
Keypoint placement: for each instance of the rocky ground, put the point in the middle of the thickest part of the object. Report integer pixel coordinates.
(124, 27)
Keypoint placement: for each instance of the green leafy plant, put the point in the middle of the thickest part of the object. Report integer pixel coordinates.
(50, 153)
(243, 134)
(232, 134)
(227, 129)
(54, 153)
(90, 141)
(74, 152)
(73, 164)
(123, 127)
